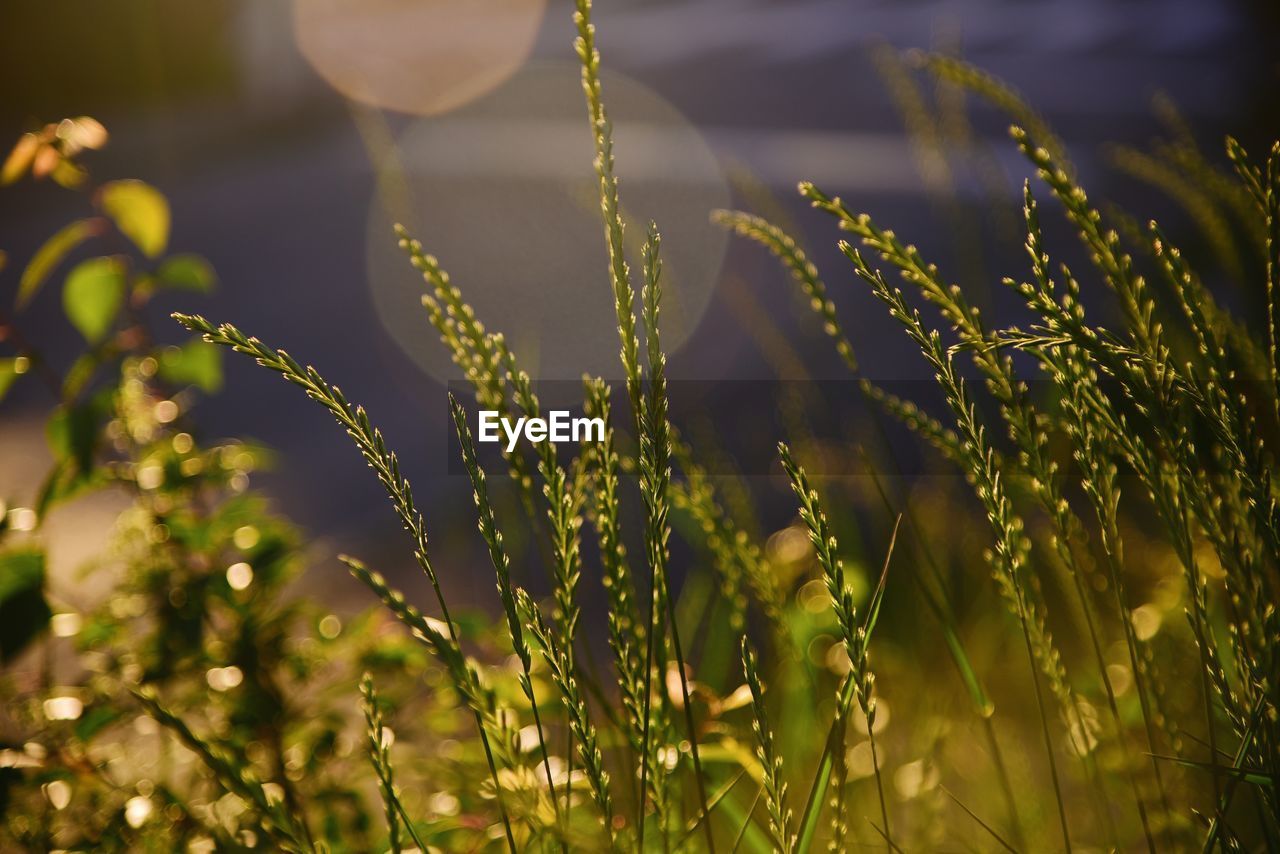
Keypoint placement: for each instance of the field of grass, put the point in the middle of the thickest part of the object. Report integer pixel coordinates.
(1074, 645)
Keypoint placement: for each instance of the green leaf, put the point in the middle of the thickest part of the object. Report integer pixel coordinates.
(23, 609)
(66, 482)
(73, 430)
(187, 273)
(197, 363)
(10, 370)
(94, 720)
(51, 254)
(140, 211)
(1255, 776)
(749, 837)
(79, 374)
(818, 792)
(93, 296)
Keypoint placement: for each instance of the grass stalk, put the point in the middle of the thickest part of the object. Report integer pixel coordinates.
(372, 447)
(380, 756)
(502, 567)
(287, 829)
(562, 672)
(775, 785)
(655, 468)
(1011, 547)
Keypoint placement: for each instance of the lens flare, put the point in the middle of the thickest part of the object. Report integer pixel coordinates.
(412, 56)
(503, 192)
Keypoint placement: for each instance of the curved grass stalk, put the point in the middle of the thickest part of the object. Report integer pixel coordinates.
(286, 829)
(996, 92)
(470, 347)
(1200, 208)
(372, 447)
(783, 247)
(729, 549)
(1025, 428)
(1150, 379)
(462, 672)
(1011, 545)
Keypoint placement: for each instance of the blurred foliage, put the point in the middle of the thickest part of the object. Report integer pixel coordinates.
(206, 701)
(201, 608)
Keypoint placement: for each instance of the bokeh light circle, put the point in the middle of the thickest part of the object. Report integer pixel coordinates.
(416, 56)
(504, 193)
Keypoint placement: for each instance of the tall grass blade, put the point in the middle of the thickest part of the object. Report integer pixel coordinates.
(501, 564)
(372, 447)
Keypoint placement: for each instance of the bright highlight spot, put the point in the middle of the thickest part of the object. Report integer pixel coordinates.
(65, 625)
(246, 537)
(58, 793)
(137, 810)
(22, 519)
(330, 627)
(63, 708)
(224, 678)
(415, 57)
(239, 575)
(166, 411)
(1146, 621)
(150, 476)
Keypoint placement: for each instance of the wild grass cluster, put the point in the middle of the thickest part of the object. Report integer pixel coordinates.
(1081, 653)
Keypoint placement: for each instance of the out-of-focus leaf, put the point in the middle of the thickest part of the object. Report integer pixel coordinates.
(73, 433)
(79, 374)
(68, 481)
(749, 837)
(51, 254)
(81, 132)
(140, 211)
(45, 161)
(187, 273)
(818, 792)
(93, 296)
(67, 173)
(1254, 776)
(23, 609)
(73, 430)
(10, 370)
(19, 159)
(197, 363)
(94, 720)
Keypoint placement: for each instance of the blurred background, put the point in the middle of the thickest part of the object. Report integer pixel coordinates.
(288, 136)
